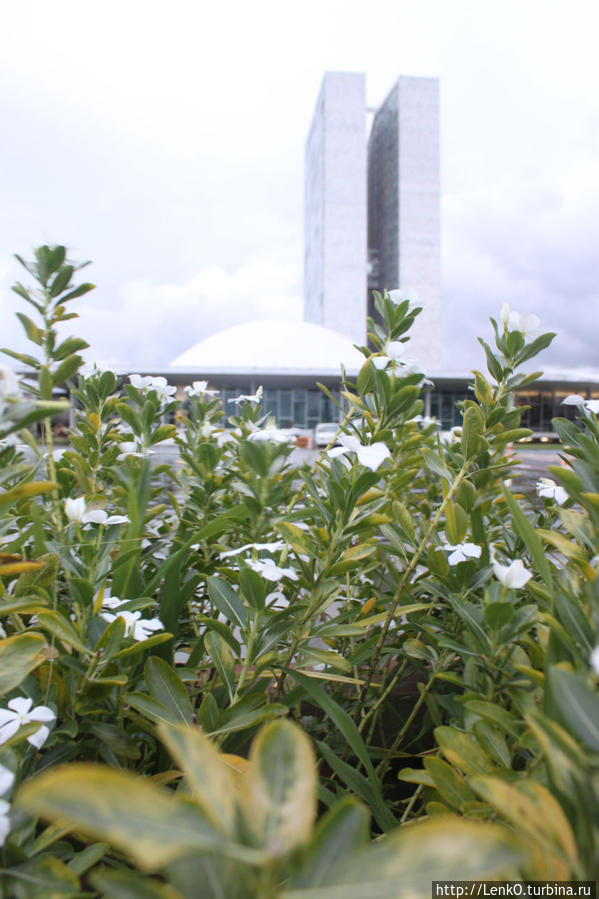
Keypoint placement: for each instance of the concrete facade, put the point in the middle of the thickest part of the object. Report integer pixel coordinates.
(335, 263)
(372, 210)
(404, 198)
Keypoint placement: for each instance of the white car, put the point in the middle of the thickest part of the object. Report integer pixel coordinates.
(325, 432)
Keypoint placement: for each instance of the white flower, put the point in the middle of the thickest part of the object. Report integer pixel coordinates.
(140, 628)
(513, 576)
(269, 570)
(7, 779)
(462, 551)
(112, 602)
(129, 448)
(18, 714)
(4, 821)
(75, 509)
(595, 660)
(273, 434)
(549, 489)
(200, 389)
(276, 600)
(576, 400)
(573, 400)
(206, 429)
(159, 384)
(9, 386)
(394, 356)
(505, 314)
(251, 398)
(398, 295)
(99, 516)
(267, 547)
(89, 370)
(528, 324)
(370, 456)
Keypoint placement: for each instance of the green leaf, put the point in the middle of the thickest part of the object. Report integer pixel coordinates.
(451, 786)
(246, 720)
(125, 884)
(463, 751)
(495, 714)
(367, 790)
(279, 788)
(531, 540)
(493, 741)
(61, 281)
(351, 734)
(25, 491)
(472, 616)
(578, 704)
(166, 686)
(19, 655)
(31, 329)
(77, 292)
(69, 346)
(61, 628)
(456, 523)
(342, 831)
(110, 641)
(152, 708)
(66, 369)
(493, 363)
(497, 614)
(42, 876)
(23, 605)
(207, 775)
(472, 431)
(226, 600)
(222, 657)
(147, 822)
(436, 464)
(404, 863)
(226, 521)
(143, 645)
(253, 588)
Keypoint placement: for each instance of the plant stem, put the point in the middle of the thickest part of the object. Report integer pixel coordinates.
(404, 580)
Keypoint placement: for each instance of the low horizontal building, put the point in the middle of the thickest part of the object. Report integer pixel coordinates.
(290, 358)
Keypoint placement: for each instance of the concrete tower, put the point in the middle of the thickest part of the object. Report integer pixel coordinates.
(372, 214)
(404, 218)
(335, 263)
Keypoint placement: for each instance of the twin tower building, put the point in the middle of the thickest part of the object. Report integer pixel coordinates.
(372, 207)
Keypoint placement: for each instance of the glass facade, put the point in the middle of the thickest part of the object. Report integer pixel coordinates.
(304, 408)
(296, 407)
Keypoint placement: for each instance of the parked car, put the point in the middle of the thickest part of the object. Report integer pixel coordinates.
(324, 432)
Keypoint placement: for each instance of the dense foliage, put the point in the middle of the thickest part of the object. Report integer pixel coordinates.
(230, 676)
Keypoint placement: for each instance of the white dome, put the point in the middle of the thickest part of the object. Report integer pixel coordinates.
(272, 346)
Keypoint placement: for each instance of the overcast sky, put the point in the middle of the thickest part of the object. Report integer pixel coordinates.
(165, 142)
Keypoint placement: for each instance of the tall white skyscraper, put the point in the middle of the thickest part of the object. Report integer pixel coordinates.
(372, 209)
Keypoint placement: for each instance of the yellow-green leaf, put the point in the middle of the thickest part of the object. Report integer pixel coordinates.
(147, 822)
(207, 774)
(18, 656)
(279, 795)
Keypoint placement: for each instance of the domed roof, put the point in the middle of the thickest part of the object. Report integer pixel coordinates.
(277, 346)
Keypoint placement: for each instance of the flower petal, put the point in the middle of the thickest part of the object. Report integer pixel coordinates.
(20, 705)
(42, 713)
(8, 730)
(7, 779)
(39, 737)
(372, 456)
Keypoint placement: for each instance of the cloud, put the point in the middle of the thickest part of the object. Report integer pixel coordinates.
(531, 243)
(153, 323)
